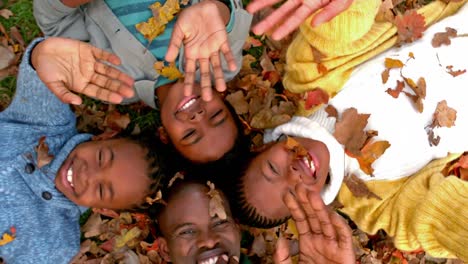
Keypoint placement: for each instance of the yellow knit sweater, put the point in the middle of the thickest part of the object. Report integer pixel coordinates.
(424, 211)
(346, 41)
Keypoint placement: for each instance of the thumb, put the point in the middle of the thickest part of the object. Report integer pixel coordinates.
(282, 255)
(63, 93)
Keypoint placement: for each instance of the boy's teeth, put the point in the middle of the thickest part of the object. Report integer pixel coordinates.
(70, 176)
(309, 163)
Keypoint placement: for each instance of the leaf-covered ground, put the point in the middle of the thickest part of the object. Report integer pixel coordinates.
(260, 100)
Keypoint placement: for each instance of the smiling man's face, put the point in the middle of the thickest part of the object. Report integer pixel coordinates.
(190, 234)
(105, 174)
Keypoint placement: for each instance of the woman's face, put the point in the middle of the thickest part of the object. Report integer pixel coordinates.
(201, 131)
(279, 169)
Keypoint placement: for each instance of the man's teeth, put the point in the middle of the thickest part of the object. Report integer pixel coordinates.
(309, 163)
(212, 260)
(70, 176)
(188, 104)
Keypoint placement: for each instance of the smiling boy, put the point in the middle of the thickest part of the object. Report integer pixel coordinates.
(44, 202)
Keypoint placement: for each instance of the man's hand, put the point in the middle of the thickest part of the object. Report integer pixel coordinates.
(67, 65)
(202, 30)
(324, 237)
(292, 13)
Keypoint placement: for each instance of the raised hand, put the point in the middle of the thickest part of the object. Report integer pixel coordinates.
(202, 30)
(67, 66)
(292, 13)
(324, 236)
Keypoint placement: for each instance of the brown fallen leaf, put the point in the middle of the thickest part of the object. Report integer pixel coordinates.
(371, 152)
(116, 121)
(410, 26)
(316, 97)
(458, 167)
(294, 146)
(396, 92)
(358, 187)
(444, 116)
(216, 204)
(331, 111)
(453, 72)
(238, 101)
(6, 13)
(385, 74)
(43, 156)
(393, 63)
(349, 131)
(443, 38)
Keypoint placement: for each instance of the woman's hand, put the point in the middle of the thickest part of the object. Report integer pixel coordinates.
(324, 236)
(202, 30)
(290, 15)
(67, 66)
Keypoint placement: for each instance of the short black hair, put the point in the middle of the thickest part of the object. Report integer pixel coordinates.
(157, 165)
(243, 211)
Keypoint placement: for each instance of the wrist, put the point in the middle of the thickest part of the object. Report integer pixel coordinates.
(224, 10)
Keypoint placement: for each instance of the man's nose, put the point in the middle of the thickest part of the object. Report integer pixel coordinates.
(294, 175)
(207, 240)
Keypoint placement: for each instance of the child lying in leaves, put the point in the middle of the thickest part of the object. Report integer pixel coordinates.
(409, 191)
(191, 231)
(197, 123)
(50, 172)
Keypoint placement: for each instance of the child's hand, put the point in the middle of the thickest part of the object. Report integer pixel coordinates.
(324, 237)
(202, 30)
(292, 13)
(66, 65)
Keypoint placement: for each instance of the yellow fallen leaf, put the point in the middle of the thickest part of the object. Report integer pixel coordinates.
(171, 72)
(6, 238)
(150, 29)
(162, 15)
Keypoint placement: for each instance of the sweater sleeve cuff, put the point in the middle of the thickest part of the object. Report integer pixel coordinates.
(232, 8)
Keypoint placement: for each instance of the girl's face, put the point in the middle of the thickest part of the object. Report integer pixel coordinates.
(279, 169)
(201, 131)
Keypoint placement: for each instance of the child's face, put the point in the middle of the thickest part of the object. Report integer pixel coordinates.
(201, 131)
(278, 170)
(105, 174)
(191, 235)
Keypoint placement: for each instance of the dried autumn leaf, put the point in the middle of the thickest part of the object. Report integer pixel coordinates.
(385, 12)
(6, 13)
(238, 101)
(258, 246)
(8, 237)
(331, 111)
(6, 57)
(385, 74)
(349, 130)
(94, 226)
(43, 156)
(393, 63)
(458, 167)
(419, 90)
(216, 204)
(370, 153)
(170, 72)
(358, 187)
(410, 26)
(157, 198)
(396, 92)
(444, 116)
(176, 176)
(294, 146)
(454, 73)
(116, 121)
(443, 38)
(127, 237)
(316, 97)
(162, 15)
(433, 140)
(158, 65)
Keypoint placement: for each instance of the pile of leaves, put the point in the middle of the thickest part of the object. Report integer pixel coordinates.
(261, 102)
